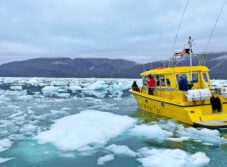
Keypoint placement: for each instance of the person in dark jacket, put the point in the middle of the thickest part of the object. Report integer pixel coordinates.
(215, 103)
(135, 87)
(183, 84)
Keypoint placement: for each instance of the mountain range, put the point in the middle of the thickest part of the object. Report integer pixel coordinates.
(101, 67)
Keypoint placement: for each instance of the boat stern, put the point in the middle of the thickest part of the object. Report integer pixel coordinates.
(213, 120)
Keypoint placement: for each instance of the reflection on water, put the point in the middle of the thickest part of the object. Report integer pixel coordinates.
(148, 117)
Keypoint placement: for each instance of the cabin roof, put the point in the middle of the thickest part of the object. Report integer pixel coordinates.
(172, 70)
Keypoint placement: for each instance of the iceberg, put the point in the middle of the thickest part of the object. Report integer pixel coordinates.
(204, 135)
(150, 131)
(104, 159)
(121, 150)
(88, 128)
(171, 158)
(50, 90)
(5, 144)
(16, 87)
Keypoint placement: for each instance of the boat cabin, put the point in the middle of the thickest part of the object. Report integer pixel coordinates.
(168, 78)
(167, 81)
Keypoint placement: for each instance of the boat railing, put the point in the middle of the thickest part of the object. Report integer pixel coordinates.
(216, 91)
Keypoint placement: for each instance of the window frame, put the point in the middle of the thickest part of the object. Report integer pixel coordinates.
(177, 76)
(169, 81)
(193, 74)
(205, 79)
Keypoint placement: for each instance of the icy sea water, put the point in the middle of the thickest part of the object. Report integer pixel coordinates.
(95, 122)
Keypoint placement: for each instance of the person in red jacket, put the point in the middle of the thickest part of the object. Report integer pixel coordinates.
(150, 85)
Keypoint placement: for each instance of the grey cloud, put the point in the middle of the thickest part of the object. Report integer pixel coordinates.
(139, 30)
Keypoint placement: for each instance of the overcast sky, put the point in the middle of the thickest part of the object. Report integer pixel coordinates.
(138, 30)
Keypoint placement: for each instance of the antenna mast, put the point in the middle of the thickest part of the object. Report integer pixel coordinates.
(190, 53)
(173, 61)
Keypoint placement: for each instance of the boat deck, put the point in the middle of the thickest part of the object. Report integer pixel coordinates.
(213, 124)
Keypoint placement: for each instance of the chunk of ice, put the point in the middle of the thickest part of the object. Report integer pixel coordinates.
(3, 160)
(104, 159)
(121, 150)
(5, 144)
(50, 90)
(150, 131)
(24, 98)
(16, 87)
(199, 158)
(28, 129)
(171, 158)
(88, 128)
(201, 135)
(75, 88)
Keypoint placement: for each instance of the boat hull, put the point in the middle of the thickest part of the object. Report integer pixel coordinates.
(192, 115)
(162, 108)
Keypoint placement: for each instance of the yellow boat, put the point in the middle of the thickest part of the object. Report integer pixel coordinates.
(197, 106)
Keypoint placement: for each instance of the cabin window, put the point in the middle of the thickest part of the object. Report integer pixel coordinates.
(162, 80)
(144, 81)
(195, 78)
(168, 82)
(205, 77)
(157, 80)
(178, 76)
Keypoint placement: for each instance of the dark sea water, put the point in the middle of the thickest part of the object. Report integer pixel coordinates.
(95, 122)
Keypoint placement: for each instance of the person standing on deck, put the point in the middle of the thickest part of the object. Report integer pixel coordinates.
(183, 84)
(135, 87)
(150, 85)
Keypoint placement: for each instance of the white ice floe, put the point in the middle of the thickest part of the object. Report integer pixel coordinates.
(88, 128)
(28, 129)
(169, 125)
(171, 158)
(97, 85)
(5, 144)
(104, 159)
(3, 160)
(75, 88)
(121, 150)
(34, 81)
(17, 137)
(23, 98)
(199, 159)
(164, 130)
(178, 139)
(66, 108)
(65, 95)
(16, 87)
(55, 91)
(150, 131)
(3, 97)
(58, 112)
(205, 136)
(7, 127)
(50, 90)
